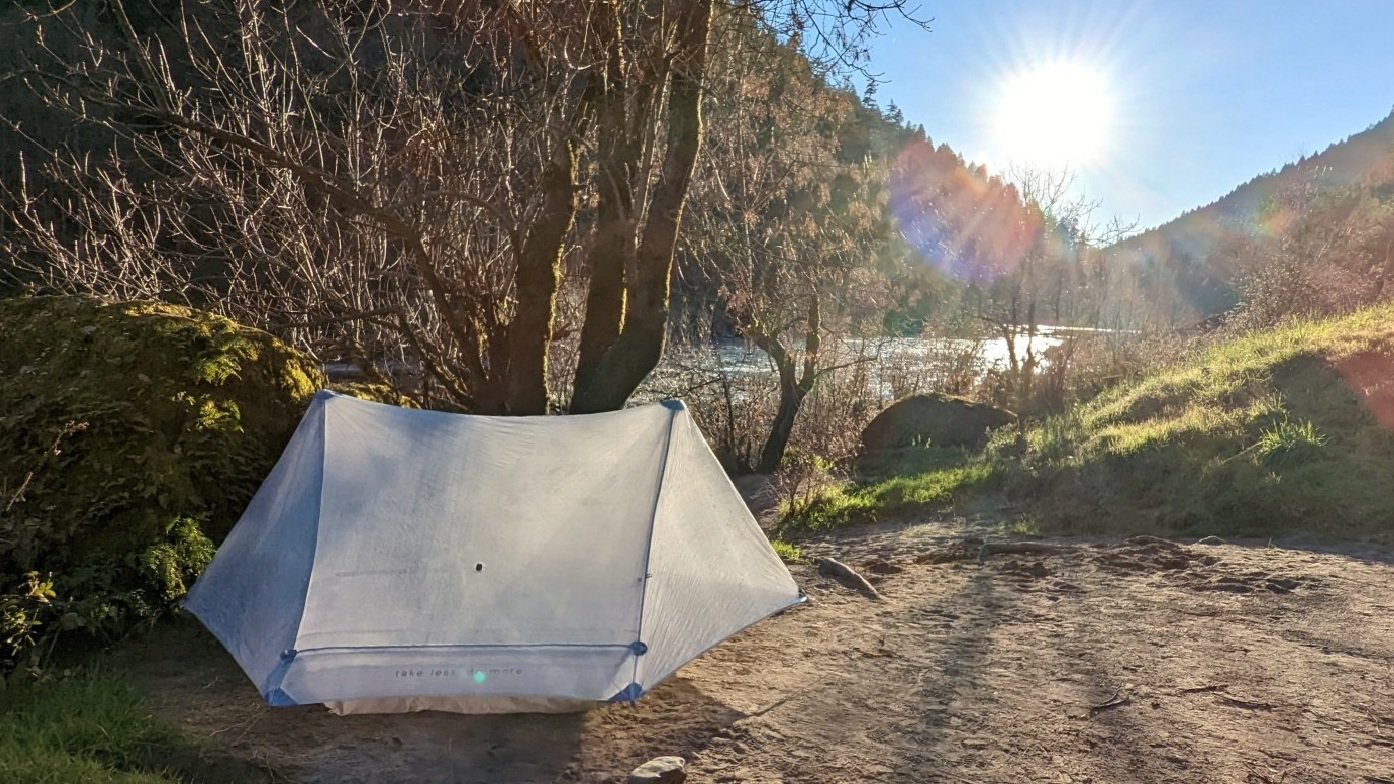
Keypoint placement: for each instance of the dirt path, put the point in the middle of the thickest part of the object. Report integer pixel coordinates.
(1141, 662)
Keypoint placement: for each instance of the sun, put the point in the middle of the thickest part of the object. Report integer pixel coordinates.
(1055, 115)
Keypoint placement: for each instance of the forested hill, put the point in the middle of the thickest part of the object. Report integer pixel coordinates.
(1195, 246)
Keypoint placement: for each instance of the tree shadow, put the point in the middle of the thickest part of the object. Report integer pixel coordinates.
(965, 654)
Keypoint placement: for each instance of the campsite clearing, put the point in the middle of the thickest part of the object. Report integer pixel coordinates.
(1141, 662)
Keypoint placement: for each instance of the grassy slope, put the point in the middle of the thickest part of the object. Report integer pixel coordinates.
(92, 726)
(80, 729)
(1277, 431)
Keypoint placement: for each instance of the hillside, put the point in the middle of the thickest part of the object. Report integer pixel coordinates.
(1275, 432)
(1182, 246)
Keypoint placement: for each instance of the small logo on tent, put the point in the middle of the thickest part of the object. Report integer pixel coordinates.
(422, 672)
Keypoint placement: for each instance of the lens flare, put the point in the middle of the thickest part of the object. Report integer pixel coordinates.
(967, 223)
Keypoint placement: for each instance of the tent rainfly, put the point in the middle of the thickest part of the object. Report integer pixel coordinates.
(398, 560)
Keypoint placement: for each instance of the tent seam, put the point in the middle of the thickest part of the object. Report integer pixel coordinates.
(319, 513)
(653, 525)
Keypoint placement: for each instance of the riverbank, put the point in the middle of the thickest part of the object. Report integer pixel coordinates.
(1265, 434)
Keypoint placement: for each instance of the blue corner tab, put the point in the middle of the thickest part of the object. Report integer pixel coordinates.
(630, 693)
(638, 648)
(271, 689)
(279, 699)
(673, 403)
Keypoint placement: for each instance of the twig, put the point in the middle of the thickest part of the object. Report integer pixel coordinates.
(1199, 689)
(1112, 702)
(762, 711)
(1246, 704)
(67, 430)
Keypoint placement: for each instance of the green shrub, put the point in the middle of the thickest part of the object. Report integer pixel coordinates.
(131, 437)
(377, 393)
(892, 484)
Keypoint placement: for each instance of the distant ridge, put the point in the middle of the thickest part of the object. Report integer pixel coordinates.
(1182, 244)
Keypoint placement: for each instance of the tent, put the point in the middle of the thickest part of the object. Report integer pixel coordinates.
(398, 559)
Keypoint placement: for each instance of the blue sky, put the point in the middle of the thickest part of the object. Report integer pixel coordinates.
(1199, 96)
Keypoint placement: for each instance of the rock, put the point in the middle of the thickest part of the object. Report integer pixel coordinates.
(660, 770)
(1213, 541)
(933, 420)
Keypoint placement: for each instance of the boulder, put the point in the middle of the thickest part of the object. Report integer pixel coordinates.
(933, 420)
(661, 770)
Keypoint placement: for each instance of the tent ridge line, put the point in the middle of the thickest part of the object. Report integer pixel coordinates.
(653, 524)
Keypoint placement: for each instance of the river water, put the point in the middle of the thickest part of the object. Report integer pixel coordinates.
(988, 353)
(895, 365)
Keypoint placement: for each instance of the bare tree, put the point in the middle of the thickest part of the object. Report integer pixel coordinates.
(1056, 270)
(791, 221)
(409, 187)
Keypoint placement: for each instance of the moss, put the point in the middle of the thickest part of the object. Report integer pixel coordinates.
(131, 437)
(378, 393)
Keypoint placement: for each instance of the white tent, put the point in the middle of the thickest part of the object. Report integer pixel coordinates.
(400, 560)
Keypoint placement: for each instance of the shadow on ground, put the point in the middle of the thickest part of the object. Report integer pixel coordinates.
(194, 682)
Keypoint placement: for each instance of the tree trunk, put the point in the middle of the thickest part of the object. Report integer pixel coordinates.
(791, 397)
(539, 274)
(792, 391)
(620, 139)
(610, 379)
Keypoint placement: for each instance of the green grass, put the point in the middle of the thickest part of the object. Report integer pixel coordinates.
(788, 552)
(903, 482)
(1265, 433)
(86, 728)
(1271, 432)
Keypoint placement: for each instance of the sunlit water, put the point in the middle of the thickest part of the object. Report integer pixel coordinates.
(892, 364)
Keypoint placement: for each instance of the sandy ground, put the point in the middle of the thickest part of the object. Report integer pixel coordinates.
(1108, 662)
